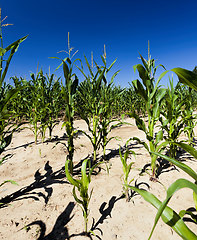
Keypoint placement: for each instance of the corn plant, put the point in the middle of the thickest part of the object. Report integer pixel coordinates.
(107, 98)
(82, 186)
(6, 94)
(172, 120)
(94, 100)
(68, 94)
(126, 170)
(152, 95)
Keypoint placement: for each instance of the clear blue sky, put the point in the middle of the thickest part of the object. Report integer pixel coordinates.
(123, 26)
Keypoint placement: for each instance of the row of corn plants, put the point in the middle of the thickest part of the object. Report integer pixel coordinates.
(172, 111)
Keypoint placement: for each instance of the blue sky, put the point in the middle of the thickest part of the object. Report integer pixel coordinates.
(123, 26)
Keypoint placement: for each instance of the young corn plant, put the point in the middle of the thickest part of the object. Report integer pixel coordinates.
(94, 98)
(152, 94)
(82, 186)
(171, 120)
(6, 94)
(68, 94)
(126, 170)
(107, 98)
(88, 109)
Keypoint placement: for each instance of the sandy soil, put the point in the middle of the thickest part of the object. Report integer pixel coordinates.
(43, 197)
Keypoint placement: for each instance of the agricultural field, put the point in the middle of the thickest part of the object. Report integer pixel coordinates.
(86, 159)
(43, 197)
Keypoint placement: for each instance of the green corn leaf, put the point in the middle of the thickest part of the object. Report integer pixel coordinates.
(121, 158)
(2, 51)
(66, 70)
(9, 96)
(75, 196)
(161, 146)
(144, 62)
(84, 178)
(111, 65)
(10, 181)
(156, 85)
(159, 137)
(156, 110)
(187, 77)
(129, 168)
(177, 185)
(160, 94)
(92, 168)
(139, 122)
(143, 74)
(69, 177)
(140, 89)
(65, 59)
(195, 199)
(13, 47)
(15, 44)
(181, 165)
(5, 142)
(74, 85)
(90, 70)
(114, 75)
(169, 216)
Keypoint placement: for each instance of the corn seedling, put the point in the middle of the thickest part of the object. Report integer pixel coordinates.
(126, 170)
(82, 186)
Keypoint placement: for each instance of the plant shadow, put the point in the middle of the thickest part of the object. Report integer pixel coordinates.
(190, 215)
(59, 231)
(105, 211)
(44, 181)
